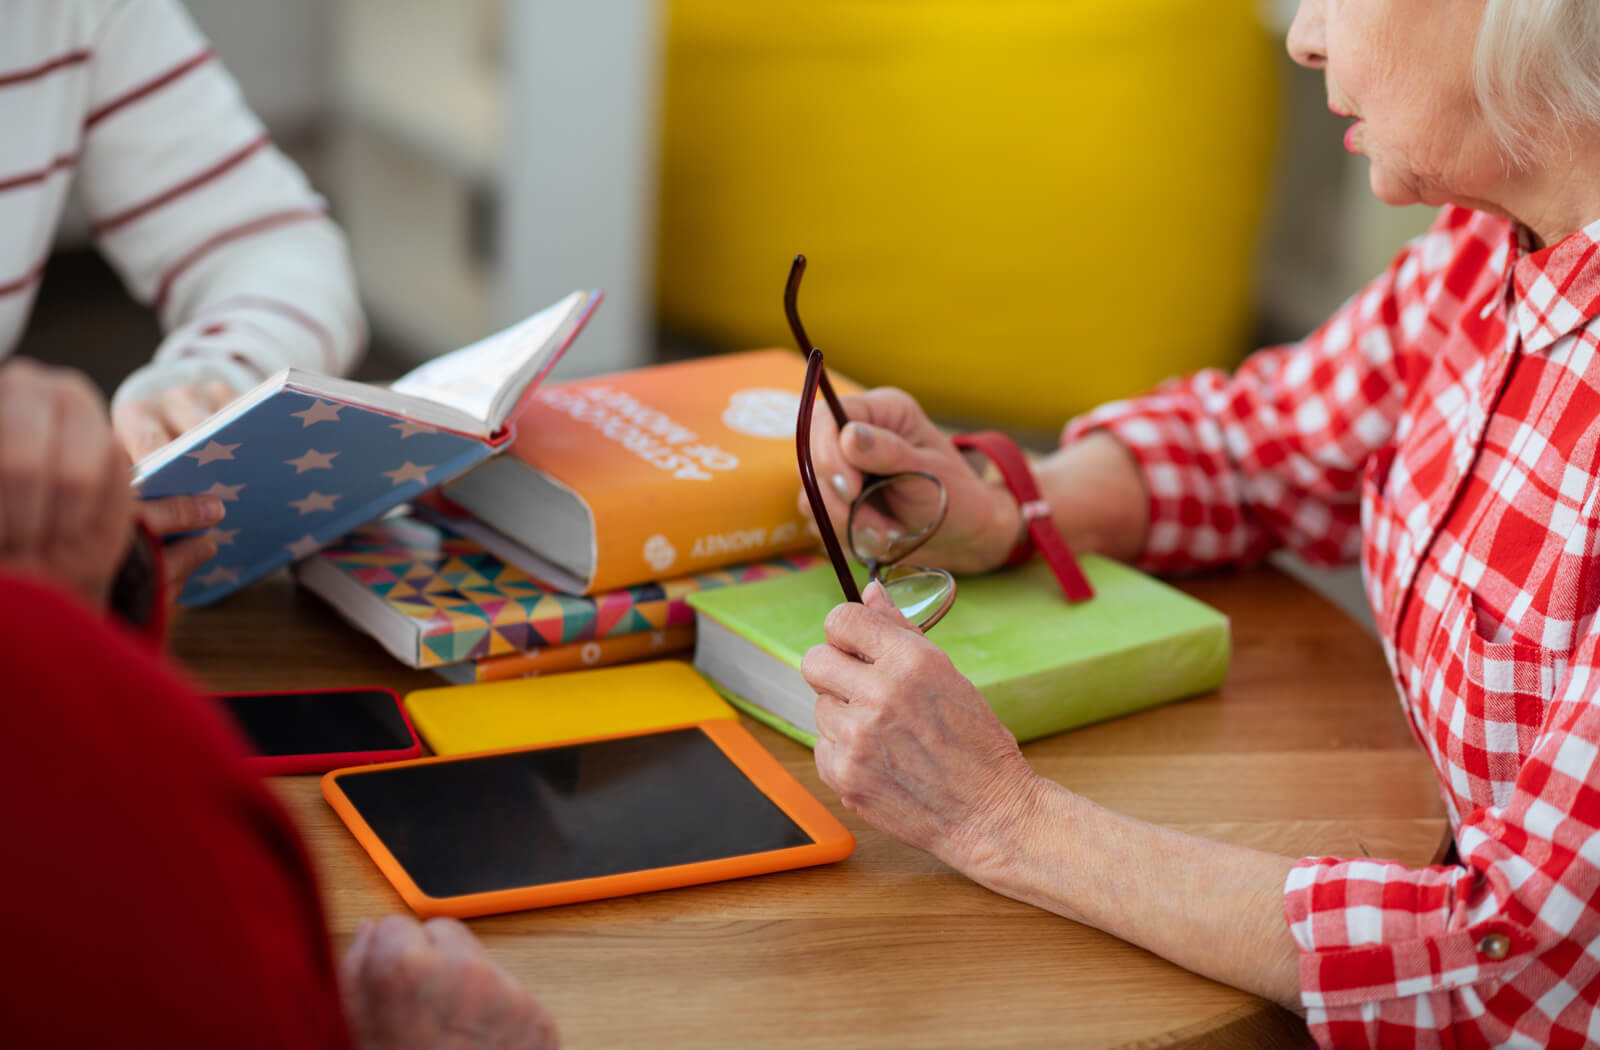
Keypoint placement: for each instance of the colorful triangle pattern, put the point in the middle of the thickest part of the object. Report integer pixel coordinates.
(468, 604)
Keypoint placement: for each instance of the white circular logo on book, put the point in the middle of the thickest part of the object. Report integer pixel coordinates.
(659, 553)
(590, 652)
(762, 413)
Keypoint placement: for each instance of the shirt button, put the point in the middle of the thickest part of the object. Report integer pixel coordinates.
(1496, 946)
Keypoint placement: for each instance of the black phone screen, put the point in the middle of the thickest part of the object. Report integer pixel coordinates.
(334, 722)
(528, 818)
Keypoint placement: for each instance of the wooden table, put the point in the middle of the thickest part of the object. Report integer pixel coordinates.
(1303, 751)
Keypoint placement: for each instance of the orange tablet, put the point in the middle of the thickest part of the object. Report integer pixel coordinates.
(584, 819)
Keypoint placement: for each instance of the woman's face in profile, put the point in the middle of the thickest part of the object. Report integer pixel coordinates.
(1401, 71)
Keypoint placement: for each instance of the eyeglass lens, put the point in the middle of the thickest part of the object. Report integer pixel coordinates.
(921, 595)
(893, 516)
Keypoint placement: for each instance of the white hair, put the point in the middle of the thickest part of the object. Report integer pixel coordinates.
(1537, 70)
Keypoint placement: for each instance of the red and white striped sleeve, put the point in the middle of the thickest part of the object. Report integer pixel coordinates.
(203, 217)
(1273, 455)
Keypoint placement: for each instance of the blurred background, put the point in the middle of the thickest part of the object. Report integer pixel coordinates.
(1015, 209)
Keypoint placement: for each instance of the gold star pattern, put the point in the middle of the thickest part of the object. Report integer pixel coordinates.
(212, 452)
(312, 460)
(319, 412)
(409, 472)
(313, 502)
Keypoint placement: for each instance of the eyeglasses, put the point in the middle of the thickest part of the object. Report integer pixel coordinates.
(890, 517)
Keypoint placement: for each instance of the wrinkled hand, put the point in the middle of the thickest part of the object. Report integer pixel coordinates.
(431, 986)
(888, 432)
(65, 508)
(145, 425)
(907, 741)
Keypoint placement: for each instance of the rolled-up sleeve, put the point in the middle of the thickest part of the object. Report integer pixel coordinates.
(1502, 949)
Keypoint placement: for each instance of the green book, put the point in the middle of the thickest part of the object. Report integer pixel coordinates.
(1043, 664)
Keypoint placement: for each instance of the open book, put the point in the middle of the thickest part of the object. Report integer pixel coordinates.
(304, 458)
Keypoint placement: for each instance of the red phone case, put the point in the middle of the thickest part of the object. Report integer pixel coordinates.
(323, 761)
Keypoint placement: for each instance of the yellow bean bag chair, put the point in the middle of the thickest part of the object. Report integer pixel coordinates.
(1015, 209)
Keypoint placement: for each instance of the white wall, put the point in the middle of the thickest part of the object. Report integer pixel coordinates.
(278, 50)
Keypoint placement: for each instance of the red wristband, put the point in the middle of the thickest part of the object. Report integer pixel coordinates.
(1039, 531)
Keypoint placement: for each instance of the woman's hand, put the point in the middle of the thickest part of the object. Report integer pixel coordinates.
(66, 511)
(888, 432)
(147, 424)
(908, 742)
(431, 985)
(172, 515)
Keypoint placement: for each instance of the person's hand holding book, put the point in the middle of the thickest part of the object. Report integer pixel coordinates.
(66, 511)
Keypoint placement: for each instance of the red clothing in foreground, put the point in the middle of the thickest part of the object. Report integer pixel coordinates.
(154, 894)
(1445, 426)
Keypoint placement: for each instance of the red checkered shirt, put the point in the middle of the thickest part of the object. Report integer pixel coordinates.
(1444, 425)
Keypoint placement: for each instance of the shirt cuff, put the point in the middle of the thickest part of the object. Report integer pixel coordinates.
(201, 352)
(1370, 931)
(1165, 551)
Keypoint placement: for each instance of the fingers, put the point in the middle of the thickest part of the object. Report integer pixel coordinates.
(170, 515)
(879, 450)
(146, 425)
(352, 969)
(833, 672)
(28, 435)
(139, 427)
(505, 1005)
(90, 471)
(876, 598)
(56, 457)
(896, 411)
(869, 632)
(180, 559)
(186, 406)
(837, 482)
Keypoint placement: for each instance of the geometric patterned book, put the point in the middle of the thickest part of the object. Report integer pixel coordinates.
(433, 597)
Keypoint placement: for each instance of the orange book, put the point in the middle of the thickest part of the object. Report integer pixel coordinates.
(656, 472)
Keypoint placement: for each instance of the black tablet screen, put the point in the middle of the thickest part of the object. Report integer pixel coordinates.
(339, 721)
(533, 817)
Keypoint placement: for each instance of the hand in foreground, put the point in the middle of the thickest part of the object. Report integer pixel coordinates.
(888, 432)
(171, 515)
(431, 985)
(66, 511)
(145, 425)
(907, 741)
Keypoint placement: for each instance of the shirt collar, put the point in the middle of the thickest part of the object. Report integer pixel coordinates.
(1557, 288)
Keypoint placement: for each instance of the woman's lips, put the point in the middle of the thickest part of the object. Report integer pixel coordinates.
(1350, 136)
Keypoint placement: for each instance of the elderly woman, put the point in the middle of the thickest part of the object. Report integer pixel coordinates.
(1444, 426)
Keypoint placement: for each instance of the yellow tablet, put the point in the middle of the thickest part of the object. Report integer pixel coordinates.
(524, 712)
(580, 820)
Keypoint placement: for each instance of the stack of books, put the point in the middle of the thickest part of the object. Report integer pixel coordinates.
(618, 518)
(615, 498)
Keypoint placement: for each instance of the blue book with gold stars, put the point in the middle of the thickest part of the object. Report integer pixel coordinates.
(304, 459)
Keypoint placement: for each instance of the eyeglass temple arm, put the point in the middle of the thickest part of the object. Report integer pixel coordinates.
(791, 310)
(819, 510)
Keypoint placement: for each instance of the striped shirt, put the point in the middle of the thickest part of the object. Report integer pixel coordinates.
(1444, 426)
(123, 104)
